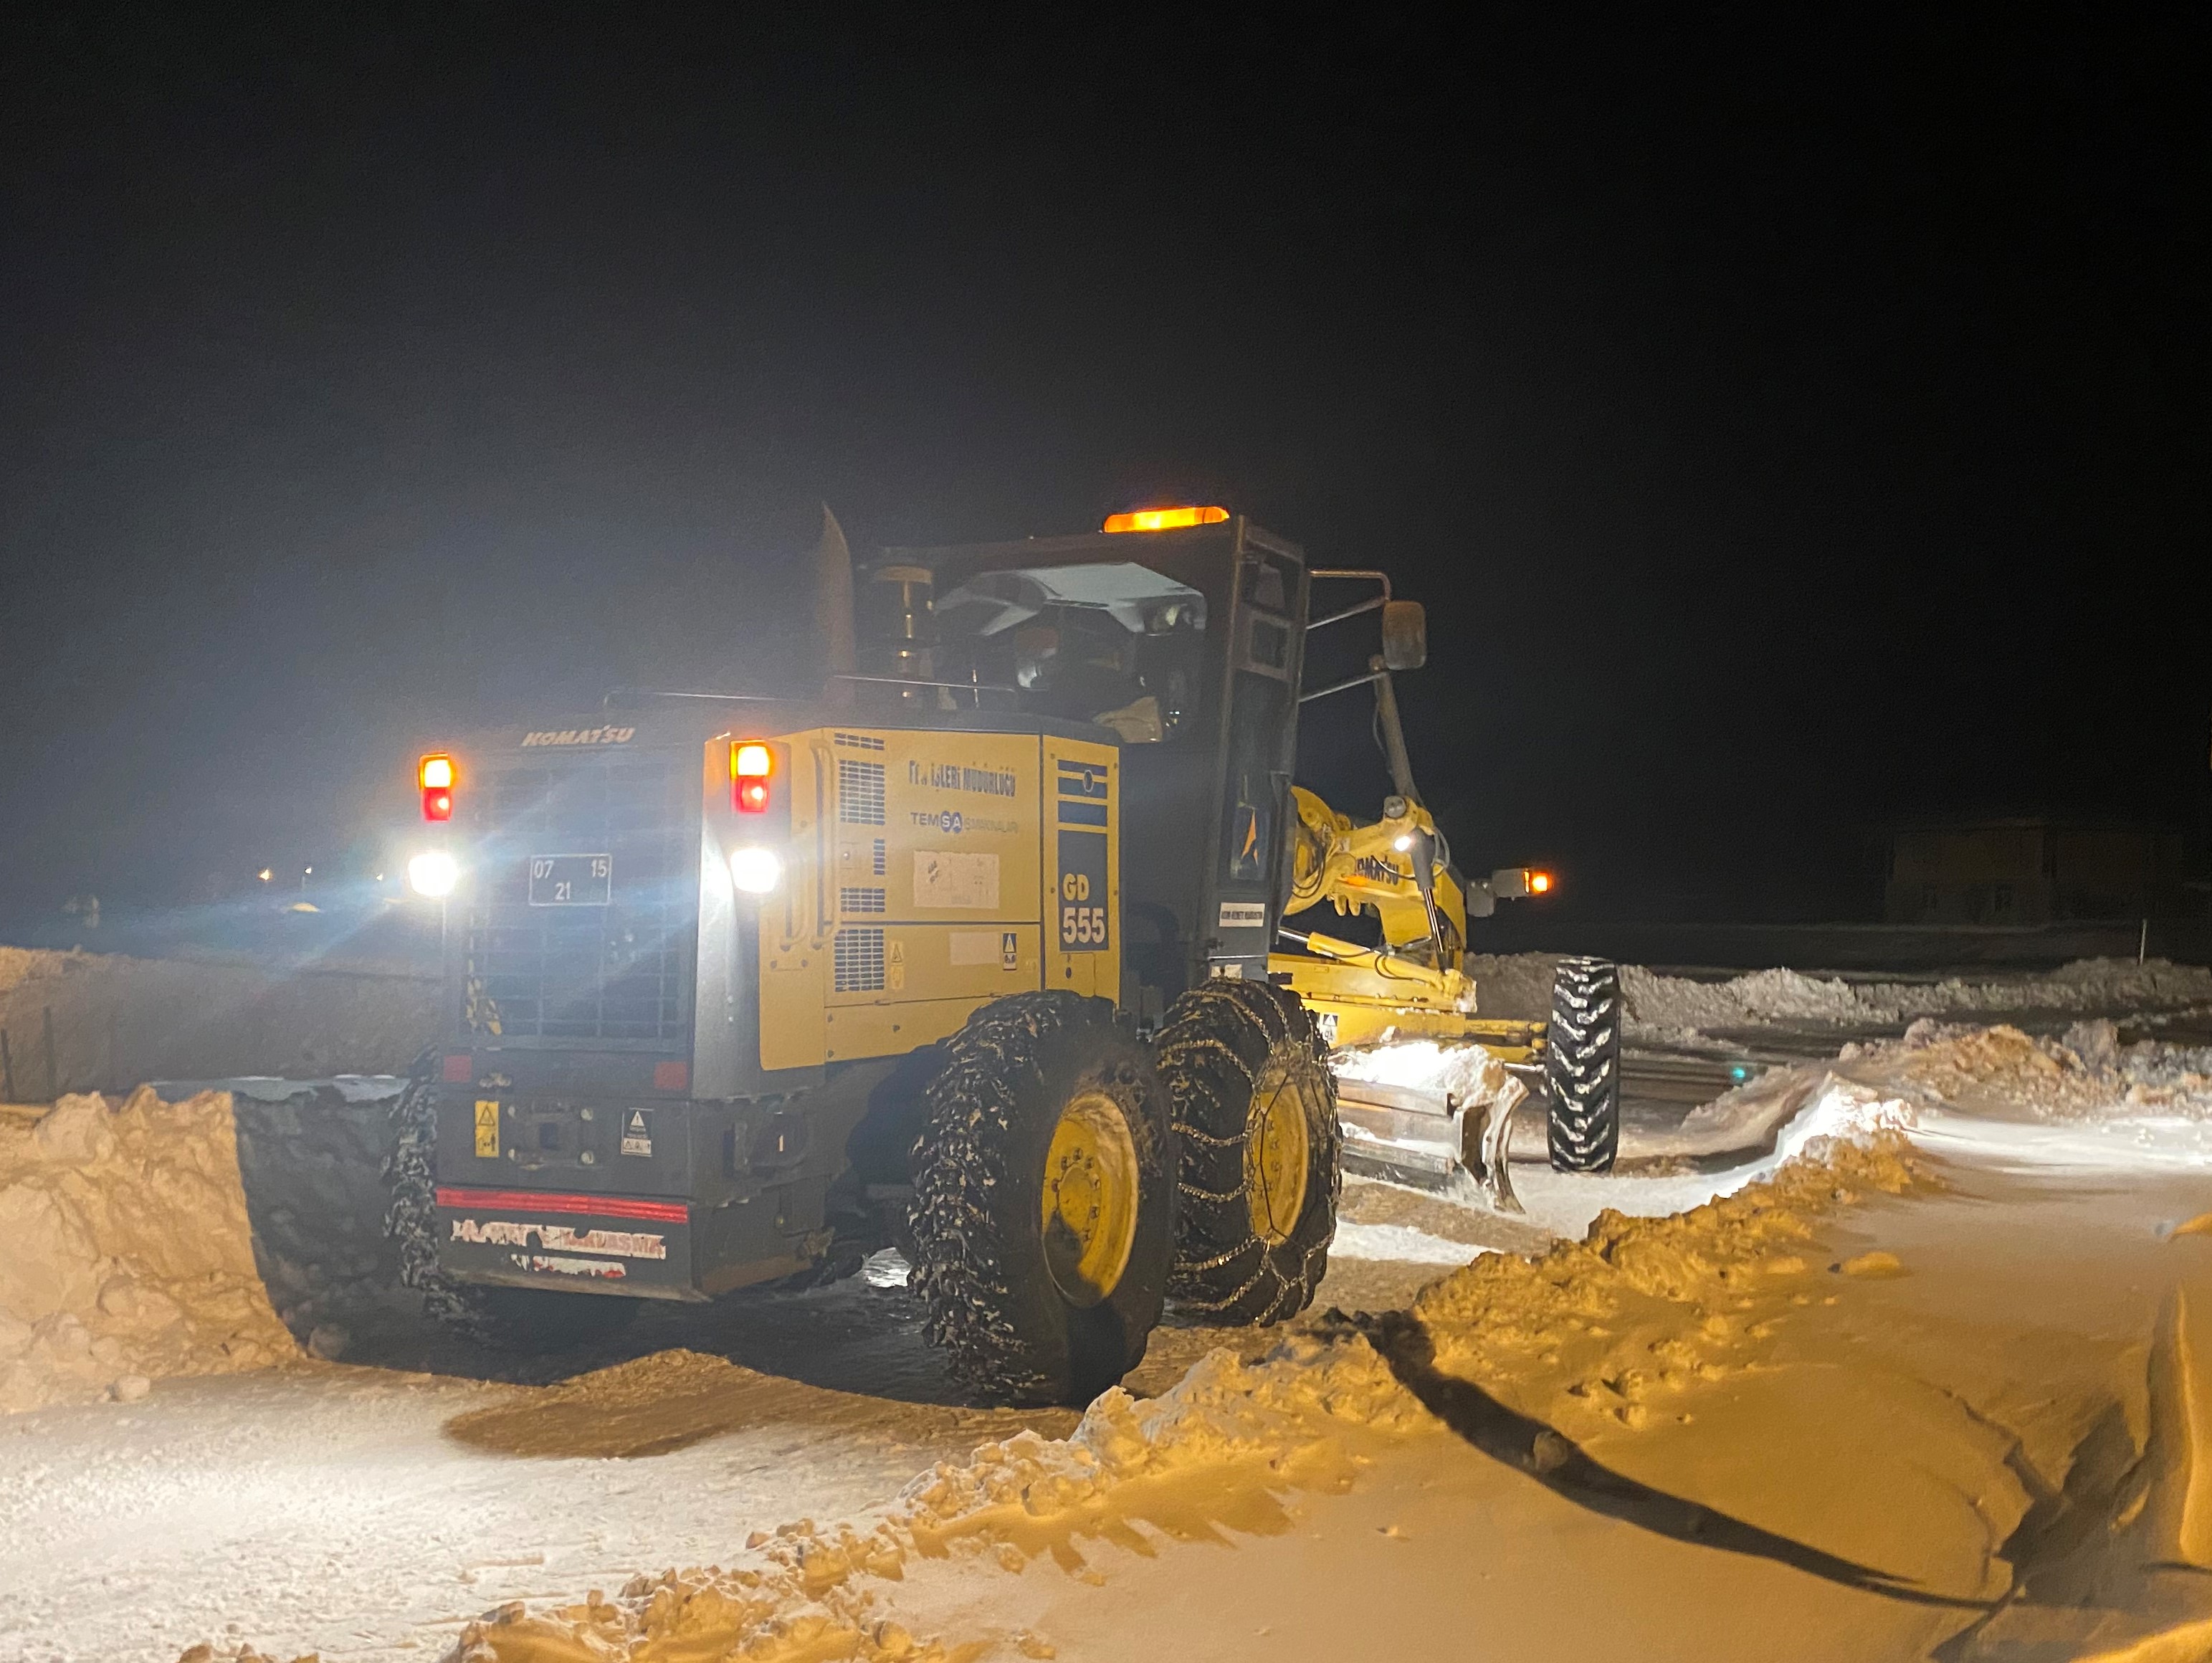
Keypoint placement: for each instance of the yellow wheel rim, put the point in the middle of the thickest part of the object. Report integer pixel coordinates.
(1277, 1153)
(1090, 1190)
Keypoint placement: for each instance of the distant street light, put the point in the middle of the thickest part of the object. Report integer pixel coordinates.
(266, 874)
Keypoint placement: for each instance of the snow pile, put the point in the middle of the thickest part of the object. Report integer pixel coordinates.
(2086, 1075)
(1276, 1417)
(1226, 1428)
(127, 1254)
(19, 964)
(1594, 1331)
(1662, 1003)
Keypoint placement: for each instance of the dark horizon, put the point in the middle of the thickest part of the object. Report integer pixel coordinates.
(1788, 429)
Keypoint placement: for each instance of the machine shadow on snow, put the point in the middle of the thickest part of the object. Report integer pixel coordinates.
(1520, 1441)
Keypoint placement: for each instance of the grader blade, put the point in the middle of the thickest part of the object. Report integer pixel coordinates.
(1429, 1140)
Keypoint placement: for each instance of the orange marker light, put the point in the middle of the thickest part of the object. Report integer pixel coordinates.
(1164, 519)
(751, 765)
(1539, 883)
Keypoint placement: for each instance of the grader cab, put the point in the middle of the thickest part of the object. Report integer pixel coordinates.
(968, 953)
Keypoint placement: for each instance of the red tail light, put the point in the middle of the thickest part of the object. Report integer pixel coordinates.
(437, 806)
(751, 765)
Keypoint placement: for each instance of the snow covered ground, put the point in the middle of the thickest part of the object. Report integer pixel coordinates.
(1949, 1389)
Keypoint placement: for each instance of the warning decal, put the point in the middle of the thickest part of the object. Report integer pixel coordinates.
(637, 1131)
(486, 1128)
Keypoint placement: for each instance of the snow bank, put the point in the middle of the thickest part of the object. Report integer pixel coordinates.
(117, 1020)
(1946, 1075)
(1515, 986)
(1519, 984)
(125, 1255)
(1656, 1002)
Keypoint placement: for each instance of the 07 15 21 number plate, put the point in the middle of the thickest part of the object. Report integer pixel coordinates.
(570, 880)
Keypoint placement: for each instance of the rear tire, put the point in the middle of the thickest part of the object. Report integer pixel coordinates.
(1582, 1066)
(1255, 1113)
(1044, 1200)
(540, 1320)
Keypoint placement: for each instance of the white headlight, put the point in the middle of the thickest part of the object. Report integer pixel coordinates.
(755, 870)
(433, 874)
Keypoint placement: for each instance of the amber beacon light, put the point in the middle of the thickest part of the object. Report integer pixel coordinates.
(436, 775)
(1164, 519)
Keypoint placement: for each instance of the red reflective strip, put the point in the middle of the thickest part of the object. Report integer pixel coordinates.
(602, 1206)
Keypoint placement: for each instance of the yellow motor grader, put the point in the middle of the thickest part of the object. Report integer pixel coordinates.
(967, 951)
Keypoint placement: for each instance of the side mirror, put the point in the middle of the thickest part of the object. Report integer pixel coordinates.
(1405, 635)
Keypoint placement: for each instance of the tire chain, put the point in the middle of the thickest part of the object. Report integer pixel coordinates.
(1188, 1050)
(961, 1278)
(409, 1172)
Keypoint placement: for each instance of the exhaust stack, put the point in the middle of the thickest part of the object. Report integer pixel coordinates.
(833, 608)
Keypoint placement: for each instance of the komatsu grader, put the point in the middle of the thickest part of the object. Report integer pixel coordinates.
(975, 951)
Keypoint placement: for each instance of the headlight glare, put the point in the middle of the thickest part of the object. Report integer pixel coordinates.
(433, 874)
(754, 870)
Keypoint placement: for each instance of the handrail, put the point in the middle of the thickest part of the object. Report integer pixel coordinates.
(823, 918)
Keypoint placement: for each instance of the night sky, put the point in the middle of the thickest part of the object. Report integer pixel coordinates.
(1787, 430)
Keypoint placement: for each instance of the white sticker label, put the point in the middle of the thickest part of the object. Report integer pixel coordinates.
(944, 878)
(1243, 915)
(974, 947)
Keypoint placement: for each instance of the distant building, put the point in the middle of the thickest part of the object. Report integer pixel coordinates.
(2031, 871)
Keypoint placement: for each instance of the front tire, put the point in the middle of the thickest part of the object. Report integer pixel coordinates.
(1044, 1200)
(1582, 1066)
(1256, 1113)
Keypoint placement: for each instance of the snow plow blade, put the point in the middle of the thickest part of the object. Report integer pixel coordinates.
(1403, 1133)
(1426, 1139)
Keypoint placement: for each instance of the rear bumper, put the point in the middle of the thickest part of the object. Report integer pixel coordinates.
(609, 1244)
